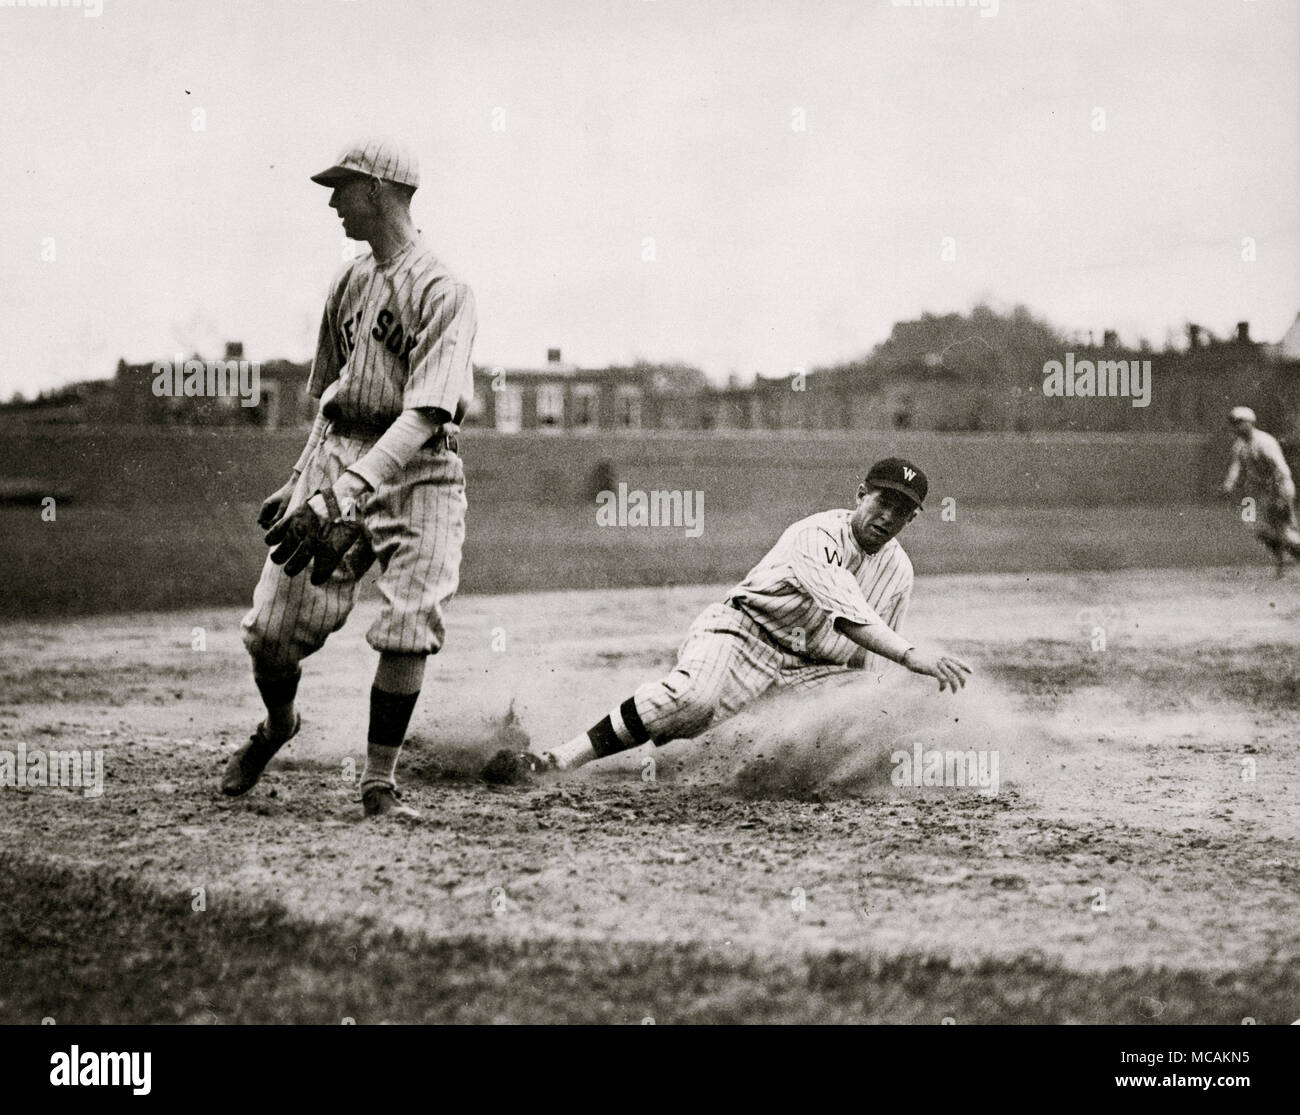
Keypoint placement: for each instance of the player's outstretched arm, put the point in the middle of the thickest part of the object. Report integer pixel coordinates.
(882, 640)
(950, 671)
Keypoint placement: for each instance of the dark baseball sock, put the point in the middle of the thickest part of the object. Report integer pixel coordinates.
(621, 730)
(390, 715)
(278, 689)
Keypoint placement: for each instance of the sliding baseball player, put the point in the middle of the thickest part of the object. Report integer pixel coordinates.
(829, 597)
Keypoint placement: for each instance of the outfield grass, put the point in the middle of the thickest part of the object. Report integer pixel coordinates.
(163, 519)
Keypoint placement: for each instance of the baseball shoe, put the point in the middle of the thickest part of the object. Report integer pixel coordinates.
(383, 801)
(507, 767)
(246, 764)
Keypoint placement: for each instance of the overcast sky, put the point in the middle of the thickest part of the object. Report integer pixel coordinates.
(669, 119)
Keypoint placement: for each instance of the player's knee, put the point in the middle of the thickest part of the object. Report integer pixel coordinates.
(694, 705)
(272, 662)
(255, 641)
(275, 653)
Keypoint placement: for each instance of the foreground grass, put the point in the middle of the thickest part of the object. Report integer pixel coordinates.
(81, 948)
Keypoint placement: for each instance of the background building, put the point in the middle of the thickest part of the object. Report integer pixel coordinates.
(945, 373)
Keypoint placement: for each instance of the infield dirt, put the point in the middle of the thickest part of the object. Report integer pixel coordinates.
(1139, 862)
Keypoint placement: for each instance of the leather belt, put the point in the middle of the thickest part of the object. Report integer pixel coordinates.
(346, 427)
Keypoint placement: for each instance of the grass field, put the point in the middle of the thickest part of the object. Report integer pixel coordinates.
(1126, 871)
(165, 518)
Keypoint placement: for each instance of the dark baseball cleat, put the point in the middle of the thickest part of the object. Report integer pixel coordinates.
(383, 801)
(246, 764)
(507, 768)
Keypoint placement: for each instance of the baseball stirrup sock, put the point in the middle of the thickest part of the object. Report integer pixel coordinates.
(400, 673)
(620, 730)
(278, 692)
(390, 714)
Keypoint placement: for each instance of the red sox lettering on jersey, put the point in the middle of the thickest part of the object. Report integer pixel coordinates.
(394, 335)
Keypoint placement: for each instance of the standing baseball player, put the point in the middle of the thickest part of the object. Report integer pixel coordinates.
(1258, 460)
(379, 480)
(829, 597)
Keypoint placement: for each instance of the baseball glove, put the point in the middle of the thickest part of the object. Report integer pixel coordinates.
(306, 538)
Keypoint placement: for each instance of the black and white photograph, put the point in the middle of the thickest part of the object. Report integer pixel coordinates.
(651, 512)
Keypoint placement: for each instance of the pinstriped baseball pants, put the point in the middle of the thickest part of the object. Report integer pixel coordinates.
(414, 528)
(723, 665)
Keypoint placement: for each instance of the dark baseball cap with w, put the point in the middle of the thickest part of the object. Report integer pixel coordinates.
(899, 475)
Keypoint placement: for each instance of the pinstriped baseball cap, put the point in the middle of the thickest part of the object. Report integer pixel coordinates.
(377, 158)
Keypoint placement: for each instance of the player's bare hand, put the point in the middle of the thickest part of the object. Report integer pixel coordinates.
(951, 672)
(274, 507)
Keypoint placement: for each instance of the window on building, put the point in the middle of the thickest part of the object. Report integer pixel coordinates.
(584, 407)
(550, 405)
(627, 408)
(510, 410)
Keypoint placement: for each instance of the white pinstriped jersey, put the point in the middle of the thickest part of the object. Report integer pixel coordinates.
(817, 573)
(395, 335)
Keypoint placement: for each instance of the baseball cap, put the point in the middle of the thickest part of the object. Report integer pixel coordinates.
(1240, 414)
(899, 475)
(378, 158)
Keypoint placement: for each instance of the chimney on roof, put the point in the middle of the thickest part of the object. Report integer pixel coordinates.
(234, 350)
(1243, 332)
(553, 356)
(1193, 337)
(1110, 339)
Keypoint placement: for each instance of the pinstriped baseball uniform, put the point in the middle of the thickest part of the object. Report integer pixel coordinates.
(396, 334)
(776, 629)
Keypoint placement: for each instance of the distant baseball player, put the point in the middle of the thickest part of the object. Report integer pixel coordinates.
(379, 480)
(828, 598)
(1257, 459)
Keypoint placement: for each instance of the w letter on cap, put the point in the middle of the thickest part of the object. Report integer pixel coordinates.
(908, 473)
